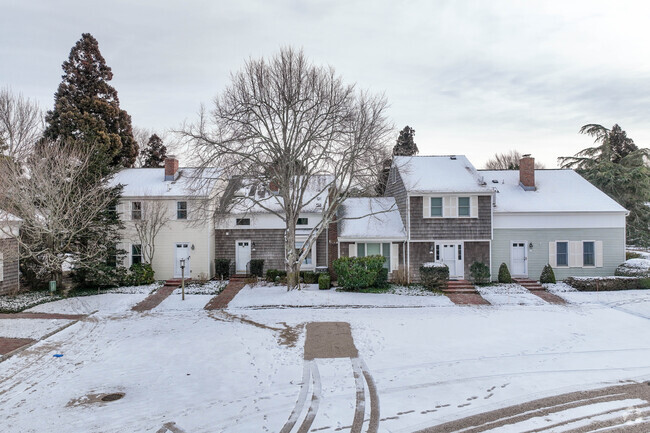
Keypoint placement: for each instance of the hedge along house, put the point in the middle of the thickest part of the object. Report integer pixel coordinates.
(182, 201)
(247, 225)
(555, 217)
(446, 208)
(9, 253)
(372, 226)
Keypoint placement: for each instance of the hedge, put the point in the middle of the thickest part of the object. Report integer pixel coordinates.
(310, 277)
(480, 273)
(504, 274)
(271, 274)
(222, 268)
(547, 276)
(608, 283)
(257, 267)
(359, 272)
(434, 276)
(324, 281)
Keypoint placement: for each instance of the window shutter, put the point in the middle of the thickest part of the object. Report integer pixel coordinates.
(552, 257)
(449, 207)
(426, 203)
(2, 267)
(352, 248)
(473, 206)
(598, 246)
(575, 254)
(394, 257)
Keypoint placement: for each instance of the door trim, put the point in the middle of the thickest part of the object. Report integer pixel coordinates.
(188, 267)
(460, 263)
(250, 250)
(512, 268)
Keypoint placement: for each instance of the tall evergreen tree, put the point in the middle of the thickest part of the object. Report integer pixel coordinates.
(617, 167)
(87, 109)
(154, 154)
(405, 145)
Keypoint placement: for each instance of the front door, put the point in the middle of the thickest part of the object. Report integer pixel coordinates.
(518, 258)
(182, 251)
(452, 256)
(242, 256)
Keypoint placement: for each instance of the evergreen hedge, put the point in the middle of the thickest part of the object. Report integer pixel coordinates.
(480, 273)
(257, 267)
(504, 274)
(222, 268)
(434, 277)
(359, 272)
(547, 276)
(324, 281)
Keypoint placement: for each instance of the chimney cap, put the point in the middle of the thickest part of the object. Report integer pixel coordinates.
(526, 155)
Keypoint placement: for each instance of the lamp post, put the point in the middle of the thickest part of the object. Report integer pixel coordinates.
(183, 278)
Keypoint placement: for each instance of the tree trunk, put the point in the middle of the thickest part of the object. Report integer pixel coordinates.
(293, 265)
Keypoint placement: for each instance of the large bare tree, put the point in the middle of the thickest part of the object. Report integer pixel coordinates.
(65, 212)
(296, 126)
(21, 124)
(507, 161)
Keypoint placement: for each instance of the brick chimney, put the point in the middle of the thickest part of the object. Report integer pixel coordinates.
(527, 173)
(171, 167)
(274, 187)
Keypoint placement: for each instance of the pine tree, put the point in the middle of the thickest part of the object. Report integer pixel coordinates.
(405, 145)
(87, 109)
(154, 154)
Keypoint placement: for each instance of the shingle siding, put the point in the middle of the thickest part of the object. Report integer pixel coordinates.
(451, 228)
(11, 275)
(476, 252)
(398, 191)
(269, 245)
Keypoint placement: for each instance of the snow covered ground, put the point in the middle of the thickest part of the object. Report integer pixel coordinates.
(311, 296)
(509, 294)
(241, 370)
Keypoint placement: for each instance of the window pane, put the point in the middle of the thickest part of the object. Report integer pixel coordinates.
(181, 210)
(361, 250)
(243, 221)
(563, 254)
(588, 256)
(136, 254)
(436, 206)
(463, 206)
(302, 221)
(373, 249)
(385, 249)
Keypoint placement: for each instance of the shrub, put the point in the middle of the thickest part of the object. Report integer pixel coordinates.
(434, 275)
(633, 268)
(222, 268)
(272, 274)
(504, 274)
(257, 267)
(358, 272)
(586, 284)
(480, 273)
(99, 276)
(382, 279)
(141, 273)
(547, 276)
(324, 281)
(310, 277)
(632, 255)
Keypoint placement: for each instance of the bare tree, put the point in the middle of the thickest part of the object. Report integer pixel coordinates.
(155, 215)
(21, 124)
(507, 161)
(63, 208)
(297, 130)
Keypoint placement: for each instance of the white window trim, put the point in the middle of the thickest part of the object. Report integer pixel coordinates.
(381, 243)
(568, 254)
(303, 239)
(187, 210)
(450, 206)
(141, 211)
(576, 245)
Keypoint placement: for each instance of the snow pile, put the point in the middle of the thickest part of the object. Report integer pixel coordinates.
(210, 288)
(560, 287)
(311, 296)
(634, 268)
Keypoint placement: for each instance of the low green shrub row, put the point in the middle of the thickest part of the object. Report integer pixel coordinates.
(434, 275)
(360, 272)
(105, 276)
(596, 284)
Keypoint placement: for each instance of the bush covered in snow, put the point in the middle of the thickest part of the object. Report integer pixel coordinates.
(595, 284)
(547, 276)
(634, 268)
(504, 274)
(434, 275)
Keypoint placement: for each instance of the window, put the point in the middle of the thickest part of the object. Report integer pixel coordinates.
(463, 207)
(181, 210)
(136, 210)
(302, 221)
(136, 254)
(588, 254)
(437, 253)
(460, 252)
(562, 254)
(436, 206)
(243, 221)
(375, 249)
(308, 259)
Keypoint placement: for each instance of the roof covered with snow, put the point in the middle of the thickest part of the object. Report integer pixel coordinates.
(6, 217)
(557, 191)
(150, 182)
(451, 173)
(370, 218)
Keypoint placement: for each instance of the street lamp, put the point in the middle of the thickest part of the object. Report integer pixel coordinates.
(183, 278)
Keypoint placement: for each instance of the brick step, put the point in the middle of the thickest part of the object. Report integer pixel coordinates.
(459, 290)
(176, 282)
(528, 283)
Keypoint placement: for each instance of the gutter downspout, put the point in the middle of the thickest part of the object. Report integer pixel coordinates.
(408, 238)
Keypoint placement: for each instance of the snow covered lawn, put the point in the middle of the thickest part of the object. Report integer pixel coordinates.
(310, 296)
(29, 328)
(242, 369)
(105, 303)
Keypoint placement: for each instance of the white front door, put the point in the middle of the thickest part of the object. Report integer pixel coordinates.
(242, 255)
(452, 256)
(181, 251)
(518, 258)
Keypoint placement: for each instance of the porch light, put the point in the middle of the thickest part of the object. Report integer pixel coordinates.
(431, 249)
(530, 246)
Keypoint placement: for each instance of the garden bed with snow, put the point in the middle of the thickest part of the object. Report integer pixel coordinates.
(210, 288)
(509, 294)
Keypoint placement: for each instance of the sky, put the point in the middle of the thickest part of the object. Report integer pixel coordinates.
(471, 77)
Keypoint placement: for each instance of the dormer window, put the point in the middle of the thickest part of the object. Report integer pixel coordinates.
(243, 221)
(302, 221)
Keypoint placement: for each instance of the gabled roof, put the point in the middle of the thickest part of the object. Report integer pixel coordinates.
(370, 218)
(150, 182)
(446, 174)
(557, 191)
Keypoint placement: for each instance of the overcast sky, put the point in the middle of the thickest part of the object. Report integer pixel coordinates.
(471, 77)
